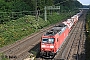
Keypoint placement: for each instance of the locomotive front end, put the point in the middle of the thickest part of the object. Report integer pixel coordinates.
(47, 47)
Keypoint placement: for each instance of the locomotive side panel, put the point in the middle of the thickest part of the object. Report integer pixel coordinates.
(61, 39)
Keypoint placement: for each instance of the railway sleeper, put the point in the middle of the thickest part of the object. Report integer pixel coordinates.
(60, 59)
(10, 56)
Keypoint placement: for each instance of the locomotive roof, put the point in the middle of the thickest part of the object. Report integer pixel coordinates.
(60, 25)
(56, 29)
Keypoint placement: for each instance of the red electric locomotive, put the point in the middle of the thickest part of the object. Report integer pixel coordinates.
(53, 39)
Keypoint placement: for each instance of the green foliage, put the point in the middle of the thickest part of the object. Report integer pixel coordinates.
(14, 26)
(17, 29)
(55, 18)
(68, 4)
(88, 36)
(2, 57)
(22, 27)
(7, 7)
(40, 3)
(58, 17)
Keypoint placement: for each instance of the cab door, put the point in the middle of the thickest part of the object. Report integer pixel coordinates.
(56, 45)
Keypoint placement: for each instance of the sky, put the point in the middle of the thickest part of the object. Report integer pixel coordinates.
(85, 2)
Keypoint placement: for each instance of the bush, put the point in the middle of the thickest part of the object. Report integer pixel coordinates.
(88, 36)
(24, 26)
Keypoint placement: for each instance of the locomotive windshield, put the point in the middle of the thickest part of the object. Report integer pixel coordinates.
(48, 40)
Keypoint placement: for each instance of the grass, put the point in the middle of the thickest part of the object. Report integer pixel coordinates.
(17, 29)
(2, 57)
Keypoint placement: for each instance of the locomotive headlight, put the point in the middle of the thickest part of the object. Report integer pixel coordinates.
(51, 46)
(43, 46)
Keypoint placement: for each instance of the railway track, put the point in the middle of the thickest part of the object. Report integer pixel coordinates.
(76, 43)
(74, 51)
(74, 46)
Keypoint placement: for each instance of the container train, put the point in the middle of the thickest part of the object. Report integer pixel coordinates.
(53, 39)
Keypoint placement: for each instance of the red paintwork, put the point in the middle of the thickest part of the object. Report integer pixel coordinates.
(47, 46)
(56, 44)
(61, 39)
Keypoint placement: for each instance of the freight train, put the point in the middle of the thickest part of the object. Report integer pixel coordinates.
(53, 39)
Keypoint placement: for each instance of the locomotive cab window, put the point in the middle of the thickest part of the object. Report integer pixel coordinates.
(44, 40)
(48, 40)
